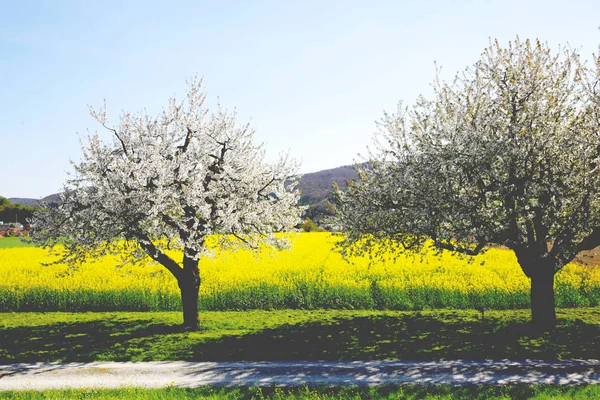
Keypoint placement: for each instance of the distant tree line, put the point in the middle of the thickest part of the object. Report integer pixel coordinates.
(14, 212)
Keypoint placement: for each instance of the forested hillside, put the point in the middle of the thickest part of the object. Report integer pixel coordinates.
(14, 212)
(317, 188)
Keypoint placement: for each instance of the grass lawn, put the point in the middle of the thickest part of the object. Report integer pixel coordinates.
(296, 335)
(7, 242)
(385, 392)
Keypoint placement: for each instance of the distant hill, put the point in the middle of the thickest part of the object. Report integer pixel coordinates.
(317, 186)
(23, 200)
(316, 189)
(53, 198)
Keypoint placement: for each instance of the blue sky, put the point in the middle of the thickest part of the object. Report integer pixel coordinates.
(310, 76)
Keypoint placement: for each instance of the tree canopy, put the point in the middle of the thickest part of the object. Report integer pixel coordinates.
(507, 153)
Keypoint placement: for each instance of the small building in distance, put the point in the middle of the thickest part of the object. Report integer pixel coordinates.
(12, 229)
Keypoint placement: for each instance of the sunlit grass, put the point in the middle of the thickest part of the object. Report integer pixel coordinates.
(10, 242)
(309, 335)
(526, 392)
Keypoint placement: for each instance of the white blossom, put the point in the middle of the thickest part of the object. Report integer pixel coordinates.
(172, 181)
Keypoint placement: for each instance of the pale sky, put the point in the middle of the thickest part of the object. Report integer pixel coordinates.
(312, 77)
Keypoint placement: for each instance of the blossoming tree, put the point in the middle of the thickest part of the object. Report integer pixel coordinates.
(169, 182)
(508, 154)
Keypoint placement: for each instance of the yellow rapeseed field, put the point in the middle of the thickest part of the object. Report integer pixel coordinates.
(310, 275)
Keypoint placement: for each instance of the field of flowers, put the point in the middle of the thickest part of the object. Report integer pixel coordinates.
(310, 275)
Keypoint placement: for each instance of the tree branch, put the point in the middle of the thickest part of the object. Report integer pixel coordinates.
(460, 249)
(188, 138)
(118, 137)
(157, 255)
(590, 242)
(260, 191)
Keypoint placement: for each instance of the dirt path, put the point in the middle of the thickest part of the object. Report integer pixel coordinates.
(42, 376)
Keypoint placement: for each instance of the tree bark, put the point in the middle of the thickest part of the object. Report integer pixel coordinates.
(189, 284)
(543, 312)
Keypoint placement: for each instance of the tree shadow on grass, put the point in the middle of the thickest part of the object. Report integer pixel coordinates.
(402, 337)
(77, 342)
(407, 337)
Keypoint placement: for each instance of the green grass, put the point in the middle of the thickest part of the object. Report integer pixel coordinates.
(7, 242)
(540, 392)
(296, 335)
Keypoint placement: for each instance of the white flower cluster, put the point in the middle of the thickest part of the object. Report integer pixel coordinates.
(508, 153)
(172, 180)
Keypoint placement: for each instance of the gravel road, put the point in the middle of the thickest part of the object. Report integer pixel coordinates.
(42, 376)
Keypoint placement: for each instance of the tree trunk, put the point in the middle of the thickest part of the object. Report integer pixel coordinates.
(189, 284)
(543, 313)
